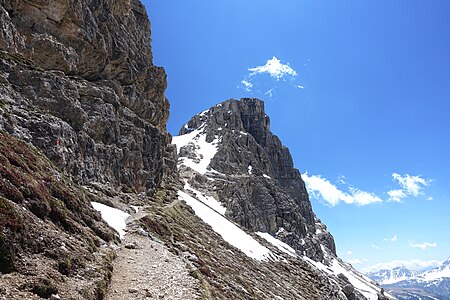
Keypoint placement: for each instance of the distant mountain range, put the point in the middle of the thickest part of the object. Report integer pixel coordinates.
(408, 284)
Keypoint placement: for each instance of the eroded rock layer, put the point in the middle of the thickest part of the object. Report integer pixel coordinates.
(260, 189)
(77, 80)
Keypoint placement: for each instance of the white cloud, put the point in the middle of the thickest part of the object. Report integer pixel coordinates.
(410, 186)
(394, 238)
(423, 245)
(415, 264)
(274, 68)
(396, 195)
(321, 188)
(376, 247)
(430, 198)
(280, 76)
(349, 252)
(269, 93)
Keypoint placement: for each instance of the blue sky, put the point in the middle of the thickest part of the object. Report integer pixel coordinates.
(361, 98)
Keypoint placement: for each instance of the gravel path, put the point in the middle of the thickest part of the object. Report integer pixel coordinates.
(149, 271)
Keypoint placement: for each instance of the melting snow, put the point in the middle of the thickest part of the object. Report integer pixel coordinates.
(361, 283)
(204, 151)
(113, 216)
(207, 200)
(229, 231)
(277, 243)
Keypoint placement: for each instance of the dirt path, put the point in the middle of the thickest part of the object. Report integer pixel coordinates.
(149, 271)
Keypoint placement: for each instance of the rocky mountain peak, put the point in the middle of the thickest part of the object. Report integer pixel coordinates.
(262, 191)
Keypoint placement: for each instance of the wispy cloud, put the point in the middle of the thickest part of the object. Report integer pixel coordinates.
(275, 69)
(376, 247)
(415, 264)
(410, 186)
(423, 245)
(247, 85)
(323, 189)
(349, 252)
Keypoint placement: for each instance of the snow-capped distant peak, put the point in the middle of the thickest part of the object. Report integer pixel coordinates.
(390, 276)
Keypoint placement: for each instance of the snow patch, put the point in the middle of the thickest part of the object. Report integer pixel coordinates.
(360, 282)
(113, 216)
(277, 243)
(204, 151)
(250, 169)
(266, 176)
(229, 231)
(207, 200)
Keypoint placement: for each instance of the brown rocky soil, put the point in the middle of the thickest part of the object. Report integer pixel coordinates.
(145, 269)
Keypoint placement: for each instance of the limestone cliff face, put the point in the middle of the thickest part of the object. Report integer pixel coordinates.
(236, 171)
(77, 80)
(261, 189)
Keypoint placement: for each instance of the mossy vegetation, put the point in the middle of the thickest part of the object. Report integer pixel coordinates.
(11, 226)
(160, 195)
(29, 182)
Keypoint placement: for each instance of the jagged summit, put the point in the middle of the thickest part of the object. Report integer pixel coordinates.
(263, 191)
(236, 171)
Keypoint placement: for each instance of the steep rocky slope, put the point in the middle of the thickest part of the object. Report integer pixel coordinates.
(235, 170)
(77, 81)
(51, 241)
(82, 120)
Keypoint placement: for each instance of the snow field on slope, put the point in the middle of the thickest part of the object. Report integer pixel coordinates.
(227, 230)
(204, 151)
(113, 216)
(361, 283)
(435, 274)
(277, 243)
(207, 200)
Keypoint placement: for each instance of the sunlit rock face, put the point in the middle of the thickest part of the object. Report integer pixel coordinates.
(253, 175)
(77, 81)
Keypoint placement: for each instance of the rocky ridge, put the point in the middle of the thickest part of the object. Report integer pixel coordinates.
(235, 167)
(77, 81)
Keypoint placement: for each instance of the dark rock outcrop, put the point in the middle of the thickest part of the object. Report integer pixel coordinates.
(82, 118)
(77, 80)
(260, 189)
